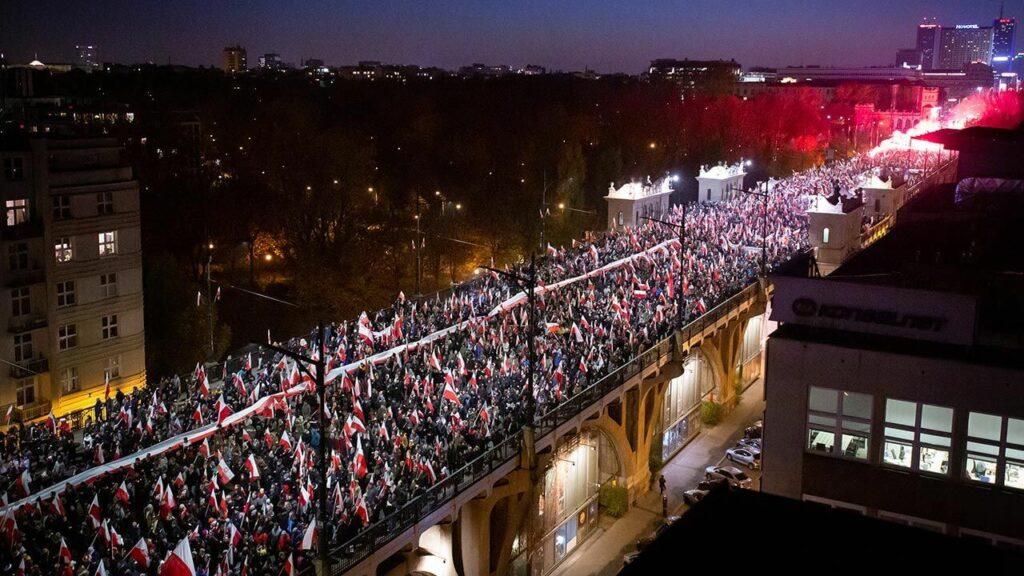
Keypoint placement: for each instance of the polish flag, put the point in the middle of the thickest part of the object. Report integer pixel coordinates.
(285, 441)
(95, 512)
(484, 414)
(23, 482)
(593, 254)
(58, 506)
(122, 493)
(360, 460)
(224, 472)
(158, 489)
(140, 553)
(223, 410)
(179, 562)
(204, 387)
(357, 424)
(65, 552)
(197, 414)
(234, 536)
(250, 465)
(248, 361)
(101, 571)
(106, 385)
(168, 503)
(434, 362)
(361, 510)
(239, 385)
(289, 567)
(357, 409)
(450, 394)
(204, 448)
(309, 536)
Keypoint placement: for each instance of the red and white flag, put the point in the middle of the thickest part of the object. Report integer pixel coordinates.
(224, 472)
(95, 512)
(250, 465)
(122, 493)
(179, 562)
(360, 460)
(309, 536)
(65, 552)
(450, 394)
(140, 553)
(289, 566)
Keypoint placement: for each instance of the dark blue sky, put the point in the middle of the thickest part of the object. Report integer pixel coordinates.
(604, 35)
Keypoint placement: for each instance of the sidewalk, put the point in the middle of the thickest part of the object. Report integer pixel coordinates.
(601, 554)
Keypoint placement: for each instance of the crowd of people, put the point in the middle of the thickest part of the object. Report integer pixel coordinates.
(406, 406)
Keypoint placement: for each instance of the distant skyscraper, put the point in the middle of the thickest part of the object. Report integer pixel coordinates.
(1003, 31)
(234, 59)
(86, 59)
(962, 44)
(928, 43)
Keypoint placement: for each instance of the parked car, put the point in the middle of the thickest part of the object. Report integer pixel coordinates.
(645, 541)
(744, 456)
(710, 484)
(691, 497)
(731, 474)
(752, 444)
(755, 430)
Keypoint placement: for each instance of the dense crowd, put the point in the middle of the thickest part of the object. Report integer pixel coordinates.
(243, 496)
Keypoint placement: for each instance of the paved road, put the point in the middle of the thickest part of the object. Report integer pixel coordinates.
(601, 554)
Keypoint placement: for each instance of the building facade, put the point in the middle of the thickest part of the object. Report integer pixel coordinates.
(1003, 43)
(234, 59)
(963, 44)
(928, 44)
(72, 302)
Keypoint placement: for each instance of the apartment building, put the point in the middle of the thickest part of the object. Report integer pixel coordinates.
(72, 275)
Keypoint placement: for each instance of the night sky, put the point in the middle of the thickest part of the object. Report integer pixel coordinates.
(604, 35)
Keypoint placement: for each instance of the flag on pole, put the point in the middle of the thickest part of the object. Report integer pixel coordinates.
(179, 562)
(309, 536)
(140, 553)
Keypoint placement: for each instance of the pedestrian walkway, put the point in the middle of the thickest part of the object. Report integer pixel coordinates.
(601, 554)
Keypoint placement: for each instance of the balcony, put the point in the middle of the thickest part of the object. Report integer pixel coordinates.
(28, 368)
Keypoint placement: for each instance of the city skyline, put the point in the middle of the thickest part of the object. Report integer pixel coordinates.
(602, 36)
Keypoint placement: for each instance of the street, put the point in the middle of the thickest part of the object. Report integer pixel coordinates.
(601, 554)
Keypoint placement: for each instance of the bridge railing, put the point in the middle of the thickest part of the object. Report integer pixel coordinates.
(376, 535)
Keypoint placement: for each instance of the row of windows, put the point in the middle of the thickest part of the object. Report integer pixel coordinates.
(67, 337)
(917, 436)
(64, 250)
(21, 302)
(26, 388)
(16, 211)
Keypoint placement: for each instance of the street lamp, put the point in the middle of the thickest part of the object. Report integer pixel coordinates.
(764, 226)
(682, 238)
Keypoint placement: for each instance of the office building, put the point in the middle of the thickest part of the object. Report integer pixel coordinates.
(72, 283)
(270, 61)
(893, 385)
(86, 57)
(928, 43)
(963, 44)
(1003, 45)
(234, 59)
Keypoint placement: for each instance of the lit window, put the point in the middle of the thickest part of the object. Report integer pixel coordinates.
(62, 249)
(16, 211)
(824, 235)
(108, 284)
(995, 450)
(69, 379)
(67, 336)
(113, 369)
(108, 243)
(917, 436)
(66, 293)
(842, 415)
(21, 303)
(109, 326)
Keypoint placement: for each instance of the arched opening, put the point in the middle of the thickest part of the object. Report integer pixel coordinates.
(679, 420)
(748, 362)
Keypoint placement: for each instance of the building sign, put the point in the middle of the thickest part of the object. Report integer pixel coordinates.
(875, 309)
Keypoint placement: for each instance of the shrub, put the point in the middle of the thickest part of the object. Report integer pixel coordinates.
(614, 500)
(711, 412)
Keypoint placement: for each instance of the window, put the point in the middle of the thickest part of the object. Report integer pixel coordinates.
(67, 336)
(69, 379)
(113, 369)
(108, 285)
(21, 303)
(62, 249)
(17, 256)
(26, 391)
(23, 347)
(917, 436)
(14, 168)
(109, 324)
(108, 243)
(66, 293)
(839, 415)
(824, 235)
(995, 450)
(104, 203)
(61, 207)
(16, 211)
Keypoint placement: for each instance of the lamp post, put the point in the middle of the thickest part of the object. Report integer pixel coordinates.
(303, 363)
(764, 226)
(682, 239)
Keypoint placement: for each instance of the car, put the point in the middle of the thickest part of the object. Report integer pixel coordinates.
(731, 474)
(645, 541)
(744, 456)
(752, 444)
(691, 497)
(755, 430)
(711, 484)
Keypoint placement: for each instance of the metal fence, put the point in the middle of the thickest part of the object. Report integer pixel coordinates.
(380, 533)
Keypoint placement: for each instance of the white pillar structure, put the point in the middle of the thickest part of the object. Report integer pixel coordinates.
(834, 230)
(880, 198)
(720, 182)
(630, 201)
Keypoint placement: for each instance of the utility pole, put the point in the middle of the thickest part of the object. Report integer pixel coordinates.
(764, 226)
(209, 295)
